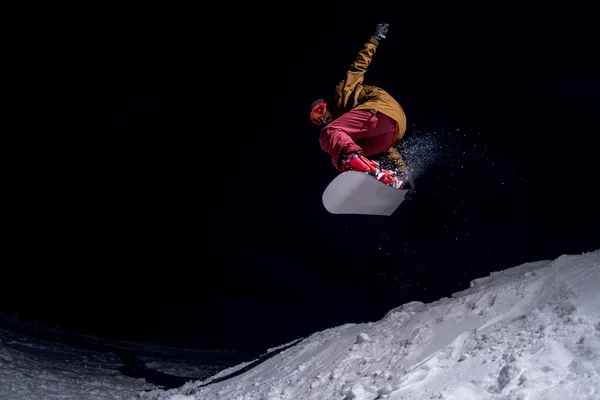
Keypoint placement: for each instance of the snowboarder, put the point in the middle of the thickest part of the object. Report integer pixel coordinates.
(363, 121)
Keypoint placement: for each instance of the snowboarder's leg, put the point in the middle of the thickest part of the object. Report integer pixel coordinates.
(341, 136)
(356, 133)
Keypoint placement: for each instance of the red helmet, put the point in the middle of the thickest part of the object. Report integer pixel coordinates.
(317, 111)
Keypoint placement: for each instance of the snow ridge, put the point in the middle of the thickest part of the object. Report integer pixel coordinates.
(531, 332)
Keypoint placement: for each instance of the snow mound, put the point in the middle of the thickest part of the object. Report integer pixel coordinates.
(531, 332)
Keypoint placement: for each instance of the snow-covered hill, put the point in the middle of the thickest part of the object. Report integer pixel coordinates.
(527, 333)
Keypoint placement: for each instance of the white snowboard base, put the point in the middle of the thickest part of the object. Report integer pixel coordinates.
(355, 192)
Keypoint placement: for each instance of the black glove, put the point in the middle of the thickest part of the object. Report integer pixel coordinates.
(381, 31)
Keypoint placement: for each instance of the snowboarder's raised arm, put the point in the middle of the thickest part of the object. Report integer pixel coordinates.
(356, 73)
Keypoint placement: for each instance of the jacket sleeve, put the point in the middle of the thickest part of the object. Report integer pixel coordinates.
(356, 73)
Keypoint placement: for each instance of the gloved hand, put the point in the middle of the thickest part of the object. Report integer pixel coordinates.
(380, 31)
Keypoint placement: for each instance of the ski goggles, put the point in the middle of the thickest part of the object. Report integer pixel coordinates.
(317, 113)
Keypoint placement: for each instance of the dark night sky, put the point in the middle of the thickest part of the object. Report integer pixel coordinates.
(178, 192)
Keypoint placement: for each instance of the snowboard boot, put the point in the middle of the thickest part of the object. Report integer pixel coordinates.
(358, 162)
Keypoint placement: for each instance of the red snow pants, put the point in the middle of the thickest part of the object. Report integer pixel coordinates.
(358, 130)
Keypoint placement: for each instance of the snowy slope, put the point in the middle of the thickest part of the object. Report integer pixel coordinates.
(527, 333)
(31, 369)
(41, 363)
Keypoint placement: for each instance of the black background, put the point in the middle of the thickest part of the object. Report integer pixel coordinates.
(170, 183)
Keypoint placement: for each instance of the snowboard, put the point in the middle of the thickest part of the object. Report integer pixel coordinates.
(354, 192)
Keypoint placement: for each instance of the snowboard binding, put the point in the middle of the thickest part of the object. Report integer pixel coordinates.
(358, 162)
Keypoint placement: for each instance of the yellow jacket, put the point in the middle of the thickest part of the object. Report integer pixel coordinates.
(351, 94)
